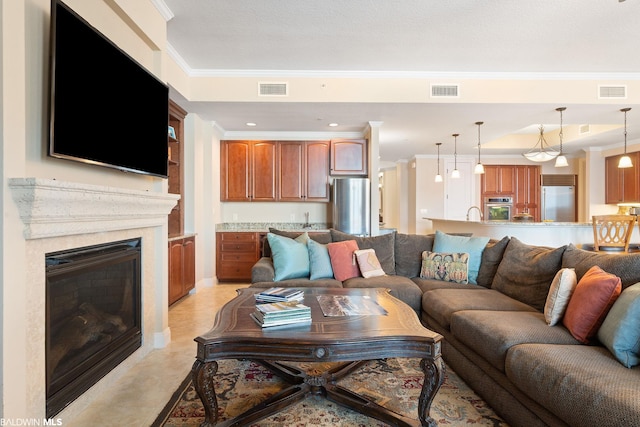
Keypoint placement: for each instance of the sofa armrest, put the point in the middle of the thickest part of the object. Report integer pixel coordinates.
(263, 270)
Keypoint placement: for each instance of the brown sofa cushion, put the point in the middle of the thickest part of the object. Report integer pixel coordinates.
(526, 272)
(409, 248)
(491, 257)
(625, 266)
(384, 245)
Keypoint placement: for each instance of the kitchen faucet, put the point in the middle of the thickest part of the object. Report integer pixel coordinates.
(306, 221)
(479, 211)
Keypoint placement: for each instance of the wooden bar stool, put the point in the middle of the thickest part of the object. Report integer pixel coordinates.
(612, 232)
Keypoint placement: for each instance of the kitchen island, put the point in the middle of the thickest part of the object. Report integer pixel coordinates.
(532, 233)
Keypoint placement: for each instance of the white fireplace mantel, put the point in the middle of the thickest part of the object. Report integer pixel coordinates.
(50, 208)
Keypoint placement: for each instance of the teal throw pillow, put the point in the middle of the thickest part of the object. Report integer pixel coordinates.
(446, 243)
(620, 331)
(290, 256)
(319, 261)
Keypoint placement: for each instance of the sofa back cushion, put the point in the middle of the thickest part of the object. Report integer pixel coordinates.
(383, 245)
(408, 253)
(526, 272)
(625, 266)
(491, 257)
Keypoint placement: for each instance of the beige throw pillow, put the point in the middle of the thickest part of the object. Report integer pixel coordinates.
(368, 263)
(562, 287)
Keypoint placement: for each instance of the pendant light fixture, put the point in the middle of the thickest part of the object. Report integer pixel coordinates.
(479, 169)
(541, 152)
(438, 176)
(625, 160)
(455, 173)
(561, 160)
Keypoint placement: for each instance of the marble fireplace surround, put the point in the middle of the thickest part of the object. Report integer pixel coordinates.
(61, 215)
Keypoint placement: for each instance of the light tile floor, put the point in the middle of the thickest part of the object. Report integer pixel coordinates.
(138, 397)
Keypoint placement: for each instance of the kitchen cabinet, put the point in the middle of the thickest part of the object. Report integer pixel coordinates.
(248, 171)
(182, 267)
(349, 157)
(498, 180)
(527, 194)
(236, 252)
(303, 171)
(622, 185)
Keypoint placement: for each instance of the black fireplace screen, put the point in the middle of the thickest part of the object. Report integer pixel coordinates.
(93, 323)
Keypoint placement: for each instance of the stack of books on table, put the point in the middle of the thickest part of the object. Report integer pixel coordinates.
(281, 313)
(279, 295)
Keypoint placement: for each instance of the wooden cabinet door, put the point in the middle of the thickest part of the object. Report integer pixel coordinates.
(612, 181)
(317, 171)
(291, 171)
(188, 264)
(498, 180)
(527, 194)
(175, 271)
(622, 185)
(235, 171)
(348, 157)
(263, 171)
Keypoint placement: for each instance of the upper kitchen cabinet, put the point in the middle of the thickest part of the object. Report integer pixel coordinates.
(248, 171)
(349, 157)
(303, 171)
(527, 195)
(498, 180)
(622, 185)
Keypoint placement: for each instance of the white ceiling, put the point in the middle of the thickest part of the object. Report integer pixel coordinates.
(509, 39)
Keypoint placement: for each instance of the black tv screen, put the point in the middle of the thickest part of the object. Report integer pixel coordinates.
(105, 108)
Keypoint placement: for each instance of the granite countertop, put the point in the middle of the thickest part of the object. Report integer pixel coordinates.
(519, 223)
(264, 226)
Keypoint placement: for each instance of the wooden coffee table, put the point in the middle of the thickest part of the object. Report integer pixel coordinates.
(351, 339)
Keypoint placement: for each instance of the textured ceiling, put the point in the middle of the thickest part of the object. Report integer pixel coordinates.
(577, 39)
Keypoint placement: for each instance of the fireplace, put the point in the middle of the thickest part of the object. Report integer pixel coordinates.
(93, 316)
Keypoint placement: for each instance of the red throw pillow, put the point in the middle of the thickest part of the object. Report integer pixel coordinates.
(342, 260)
(591, 300)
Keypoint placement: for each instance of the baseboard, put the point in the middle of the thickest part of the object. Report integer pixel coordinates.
(162, 339)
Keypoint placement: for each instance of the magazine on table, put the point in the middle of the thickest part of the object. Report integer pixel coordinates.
(282, 321)
(349, 305)
(277, 294)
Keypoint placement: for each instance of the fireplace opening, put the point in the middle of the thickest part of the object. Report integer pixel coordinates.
(93, 316)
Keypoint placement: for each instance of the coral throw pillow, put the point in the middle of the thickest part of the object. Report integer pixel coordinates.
(368, 263)
(343, 260)
(592, 299)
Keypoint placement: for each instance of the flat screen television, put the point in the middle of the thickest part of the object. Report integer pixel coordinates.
(105, 108)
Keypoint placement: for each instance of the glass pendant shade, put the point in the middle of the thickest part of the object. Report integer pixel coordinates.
(479, 169)
(561, 160)
(625, 161)
(438, 176)
(541, 152)
(455, 174)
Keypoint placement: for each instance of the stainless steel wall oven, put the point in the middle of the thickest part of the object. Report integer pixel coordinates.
(498, 208)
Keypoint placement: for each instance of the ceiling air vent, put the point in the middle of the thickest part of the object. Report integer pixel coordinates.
(582, 129)
(444, 91)
(273, 89)
(612, 92)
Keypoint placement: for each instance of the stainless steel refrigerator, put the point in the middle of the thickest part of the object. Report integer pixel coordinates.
(352, 205)
(558, 196)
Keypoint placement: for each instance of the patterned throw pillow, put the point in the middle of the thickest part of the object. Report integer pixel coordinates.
(368, 263)
(449, 267)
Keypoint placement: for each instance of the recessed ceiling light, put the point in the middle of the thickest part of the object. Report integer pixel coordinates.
(333, 125)
(250, 124)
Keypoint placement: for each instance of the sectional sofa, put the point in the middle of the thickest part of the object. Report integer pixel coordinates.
(547, 336)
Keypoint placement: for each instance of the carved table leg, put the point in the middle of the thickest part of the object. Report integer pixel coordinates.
(202, 375)
(433, 378)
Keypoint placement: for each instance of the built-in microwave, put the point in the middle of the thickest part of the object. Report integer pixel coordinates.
(498, 208)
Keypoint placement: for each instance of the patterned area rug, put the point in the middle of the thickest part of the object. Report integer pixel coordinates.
(392, 383)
